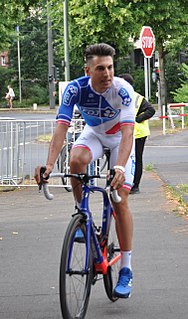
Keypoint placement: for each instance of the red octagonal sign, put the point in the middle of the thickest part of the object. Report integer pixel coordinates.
(147, 39)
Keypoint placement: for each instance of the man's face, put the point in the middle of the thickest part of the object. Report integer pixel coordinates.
(101, 71)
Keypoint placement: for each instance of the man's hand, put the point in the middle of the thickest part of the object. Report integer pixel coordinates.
(117, 178)
(45, 174)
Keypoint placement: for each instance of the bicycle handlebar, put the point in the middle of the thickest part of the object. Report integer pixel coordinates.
(82, 177)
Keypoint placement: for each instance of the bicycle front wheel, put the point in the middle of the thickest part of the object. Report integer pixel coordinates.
(113, 251)
(75, 282)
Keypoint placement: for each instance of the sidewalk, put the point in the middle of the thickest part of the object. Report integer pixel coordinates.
(40, 109)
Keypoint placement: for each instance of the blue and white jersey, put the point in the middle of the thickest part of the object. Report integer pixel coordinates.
(104, 112)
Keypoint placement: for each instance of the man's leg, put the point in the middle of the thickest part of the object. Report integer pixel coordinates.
(124, 222)
(11, 103)
(86, 148)
(8, 101)
(80, 158)
(124, 229)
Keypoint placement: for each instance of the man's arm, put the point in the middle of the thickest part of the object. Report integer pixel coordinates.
(55, 147)
(125, 144)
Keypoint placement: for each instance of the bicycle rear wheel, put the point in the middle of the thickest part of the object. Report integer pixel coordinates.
(113, 250)
(75, 283)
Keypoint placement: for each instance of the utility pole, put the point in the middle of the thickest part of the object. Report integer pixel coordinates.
(51, 78)
(66, 41)
(19, 67)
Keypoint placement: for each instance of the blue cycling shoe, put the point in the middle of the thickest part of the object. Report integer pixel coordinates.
(79, 236)
(124, 284)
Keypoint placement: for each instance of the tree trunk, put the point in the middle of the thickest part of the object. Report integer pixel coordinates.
(163, 92)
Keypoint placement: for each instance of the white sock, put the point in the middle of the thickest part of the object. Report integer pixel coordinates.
(126, 259)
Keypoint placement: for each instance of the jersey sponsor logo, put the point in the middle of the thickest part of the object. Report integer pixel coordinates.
(91, 95)
(107, 112)
(126, 100)
(69, 94)
(133, 164)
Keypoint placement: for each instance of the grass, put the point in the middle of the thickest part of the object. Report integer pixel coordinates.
(183, 188)
(44, 138)
(175, 196)
(149, 167)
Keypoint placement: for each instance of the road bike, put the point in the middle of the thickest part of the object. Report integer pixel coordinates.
(92, 256)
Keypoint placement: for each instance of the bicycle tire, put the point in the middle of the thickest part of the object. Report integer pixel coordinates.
(110, 279)
(75, 285)
(63, 167)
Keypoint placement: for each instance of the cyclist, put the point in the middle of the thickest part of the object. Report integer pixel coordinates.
(10, 96)
(107, 105)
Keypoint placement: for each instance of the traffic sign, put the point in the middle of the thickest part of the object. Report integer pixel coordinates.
(147, 39)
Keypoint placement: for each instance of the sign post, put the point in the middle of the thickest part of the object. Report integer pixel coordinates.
(147, 39)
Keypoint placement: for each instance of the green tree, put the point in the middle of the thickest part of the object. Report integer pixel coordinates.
(11, 14)
(169, 22)
(33, 49)
(33, 57)
(91, 22)
(115, 21)
(181, 94)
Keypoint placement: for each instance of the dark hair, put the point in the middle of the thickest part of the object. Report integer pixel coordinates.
(101, 49)
(127, 77)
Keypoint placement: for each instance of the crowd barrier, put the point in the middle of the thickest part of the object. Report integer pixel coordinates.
(24, 144)
(179, 109)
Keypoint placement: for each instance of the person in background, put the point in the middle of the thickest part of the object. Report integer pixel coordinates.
(10, 96)
(144, 111)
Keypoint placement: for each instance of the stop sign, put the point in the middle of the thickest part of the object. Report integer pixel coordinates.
(147, 39)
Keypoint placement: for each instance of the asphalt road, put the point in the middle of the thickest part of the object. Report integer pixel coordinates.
(32, 230)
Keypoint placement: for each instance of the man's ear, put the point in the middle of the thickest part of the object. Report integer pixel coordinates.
(87, 70)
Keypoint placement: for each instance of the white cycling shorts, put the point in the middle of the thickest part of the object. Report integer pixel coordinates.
(95, 142)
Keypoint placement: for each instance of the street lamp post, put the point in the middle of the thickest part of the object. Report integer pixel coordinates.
(51, 78)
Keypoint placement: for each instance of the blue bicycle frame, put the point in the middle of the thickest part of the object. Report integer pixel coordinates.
(90, 231)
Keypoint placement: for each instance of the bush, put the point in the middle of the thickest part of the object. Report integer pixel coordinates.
(34, 93)
(181, 94)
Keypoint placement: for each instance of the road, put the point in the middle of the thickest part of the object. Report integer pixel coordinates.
(169, 156)
(31, 234)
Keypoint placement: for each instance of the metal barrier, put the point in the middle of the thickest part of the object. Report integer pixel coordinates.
(24, 145)
(180, 113)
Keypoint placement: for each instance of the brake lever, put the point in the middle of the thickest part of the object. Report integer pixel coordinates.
(42, 171)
